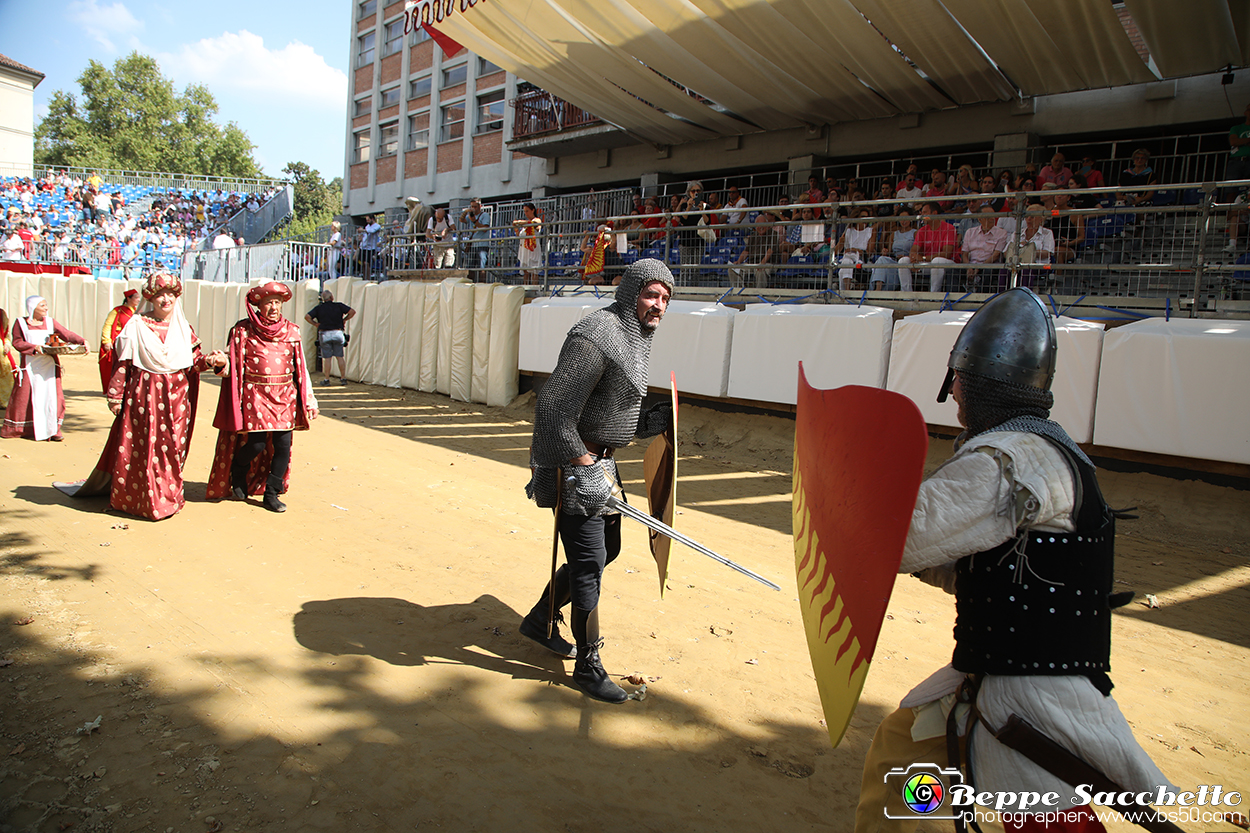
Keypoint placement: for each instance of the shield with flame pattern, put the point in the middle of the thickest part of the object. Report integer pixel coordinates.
(858, 459)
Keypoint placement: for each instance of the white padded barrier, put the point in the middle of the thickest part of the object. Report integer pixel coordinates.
(483, 301)
(505, 330)
(694, 341)
(922, 348)
(1177, 387)
(460, 341)
(838, 345)
(410, 336)
(544, 324)
(429, 338)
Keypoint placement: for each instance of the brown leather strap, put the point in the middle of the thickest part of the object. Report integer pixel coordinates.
(600, 451)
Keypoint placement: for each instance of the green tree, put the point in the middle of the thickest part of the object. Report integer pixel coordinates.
(315, 201)
(132, 118)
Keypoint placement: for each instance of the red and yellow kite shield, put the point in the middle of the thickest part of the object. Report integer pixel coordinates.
(659, 465)
(858, 459)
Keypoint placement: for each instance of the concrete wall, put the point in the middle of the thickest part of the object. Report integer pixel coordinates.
(17, 121)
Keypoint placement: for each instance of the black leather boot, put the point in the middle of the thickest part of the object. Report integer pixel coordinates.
(588, 673)
(534, 625)
(272, 503)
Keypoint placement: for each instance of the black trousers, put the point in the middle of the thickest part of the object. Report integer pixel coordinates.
(252, 448)
(590, 545)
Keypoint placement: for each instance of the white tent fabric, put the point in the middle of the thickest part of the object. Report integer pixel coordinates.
(1177, 387)
(483, 301)
(838, 345)
(693, 342)
(460, 342)
(505, 332)
(410, 336)
(922, 347)
(428, 378)
(829, 61)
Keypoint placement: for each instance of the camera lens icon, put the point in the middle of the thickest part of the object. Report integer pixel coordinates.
(923, 793)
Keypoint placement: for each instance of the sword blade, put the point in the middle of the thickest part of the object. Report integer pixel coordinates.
(664, 529)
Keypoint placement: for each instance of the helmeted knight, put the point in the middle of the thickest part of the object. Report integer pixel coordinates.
(1014, 525)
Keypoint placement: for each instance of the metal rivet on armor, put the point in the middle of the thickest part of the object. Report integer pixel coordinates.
(1026, 587)
(1052, 665)
(1079, 538)
(987, 569)
(1052, 539)
(1063, 540)
(1052, 610)
(1024, 607)
(988, 628)
(1078, 613)
(1078, 592)
(1039, 540)
(1065, 665)
(1013, 630)
(1035, 665)
(987, 656)
(1011, 598)
(1052, 590)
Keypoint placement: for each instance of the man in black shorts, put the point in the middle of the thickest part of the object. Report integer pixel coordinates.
(330, 316)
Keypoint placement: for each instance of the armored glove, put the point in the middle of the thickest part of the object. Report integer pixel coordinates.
(656, 420)
(591, 487)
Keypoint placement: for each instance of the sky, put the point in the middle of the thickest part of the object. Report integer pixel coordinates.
(277, 68)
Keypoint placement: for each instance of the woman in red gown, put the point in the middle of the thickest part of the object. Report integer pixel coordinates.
(153, 392)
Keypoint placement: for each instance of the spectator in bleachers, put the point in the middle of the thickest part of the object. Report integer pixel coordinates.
(938, 188)
(439, 232)
(983, 244)
(814, 195)
(1034, 243)
(853, 246)
(964, 183)
(1093, 176)
(370, 244)
(893, 247)
(529, 253)
(762, 250)
(909, 189)
(1056, 172)
(735, 207)
(811, 237)
(688, 234)
(475, 224)
(1068, 229)
(932, 249)
(12, 249)
(223, 240)
(714, 206)
(1238, 167)
(831, 186)
(886, 192)
(1029, 173)
(1139, 174)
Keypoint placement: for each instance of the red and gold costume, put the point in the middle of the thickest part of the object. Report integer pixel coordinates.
(268, 390)
(592, 266)
(113, 324)
(8, 365)
(156, 385)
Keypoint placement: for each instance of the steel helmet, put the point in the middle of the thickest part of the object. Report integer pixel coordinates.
(1011, 338)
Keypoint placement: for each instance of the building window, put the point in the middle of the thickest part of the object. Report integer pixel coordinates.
(419, 35)
(455, 75)
(388, 139)
(365, 52)
(390, 97)
(485, 67)
(490, 112)
(361, 147)
(452, 122)
(394, 37)
(368, 8)
(419, 87)
(418, 130)
(362, 107)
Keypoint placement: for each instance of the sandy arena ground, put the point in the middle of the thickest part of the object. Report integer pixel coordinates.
(354, 664)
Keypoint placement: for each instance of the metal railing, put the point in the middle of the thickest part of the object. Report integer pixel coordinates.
(537, 112)
(156, 179)
(288, 261)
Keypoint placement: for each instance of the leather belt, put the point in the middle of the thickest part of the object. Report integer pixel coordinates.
(598, 450)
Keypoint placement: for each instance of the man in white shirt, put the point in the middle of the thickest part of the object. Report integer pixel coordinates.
(223, 240)
(736, 205)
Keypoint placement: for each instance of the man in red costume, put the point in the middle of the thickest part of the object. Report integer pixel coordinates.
(117, 318)
(267, 395)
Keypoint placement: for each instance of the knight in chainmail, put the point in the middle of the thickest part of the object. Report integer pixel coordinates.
(589, 407)
(1014, 525)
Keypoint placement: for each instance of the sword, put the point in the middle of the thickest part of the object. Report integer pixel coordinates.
(624, 508)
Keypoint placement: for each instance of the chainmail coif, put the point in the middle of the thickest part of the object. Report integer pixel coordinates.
(595, 392)
(991, 405)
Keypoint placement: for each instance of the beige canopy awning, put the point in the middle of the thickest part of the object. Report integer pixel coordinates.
(671, 71)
